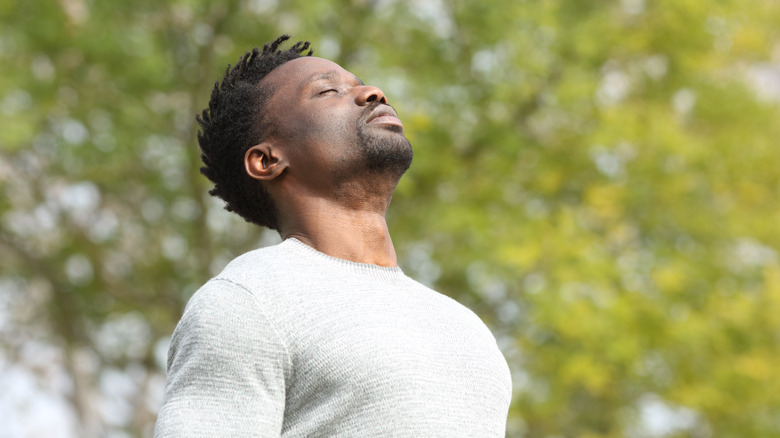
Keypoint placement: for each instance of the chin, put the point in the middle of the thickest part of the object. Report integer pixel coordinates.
(388, 152)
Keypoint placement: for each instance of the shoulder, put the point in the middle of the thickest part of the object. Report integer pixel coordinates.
(249, 264)
(219, 309)
(227, 367)
(219, 298)
(223, 316)
(265, 269)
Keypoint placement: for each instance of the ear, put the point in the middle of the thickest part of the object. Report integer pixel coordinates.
(264, 162)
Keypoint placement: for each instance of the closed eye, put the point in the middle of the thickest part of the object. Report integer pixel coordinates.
(329, 90)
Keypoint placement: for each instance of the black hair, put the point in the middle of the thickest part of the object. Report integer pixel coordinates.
(235, 121)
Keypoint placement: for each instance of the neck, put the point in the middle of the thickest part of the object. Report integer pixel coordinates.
(345, 232)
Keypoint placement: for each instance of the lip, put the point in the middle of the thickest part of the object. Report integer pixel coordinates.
(385, 115)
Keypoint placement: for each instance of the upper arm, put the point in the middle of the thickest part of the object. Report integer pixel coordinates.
(226, 368)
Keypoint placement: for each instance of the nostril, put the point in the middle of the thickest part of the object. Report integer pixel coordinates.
(376, 97)
(368, 94)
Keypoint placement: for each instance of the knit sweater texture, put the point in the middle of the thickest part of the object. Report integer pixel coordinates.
(290, 342)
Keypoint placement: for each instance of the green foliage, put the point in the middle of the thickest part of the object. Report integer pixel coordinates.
(597, 179)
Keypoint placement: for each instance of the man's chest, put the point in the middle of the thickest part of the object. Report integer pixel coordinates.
(395, 354)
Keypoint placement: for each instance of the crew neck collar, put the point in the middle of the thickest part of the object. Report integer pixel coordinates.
(366, 268)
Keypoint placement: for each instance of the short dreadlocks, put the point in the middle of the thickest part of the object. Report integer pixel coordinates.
(234, 122)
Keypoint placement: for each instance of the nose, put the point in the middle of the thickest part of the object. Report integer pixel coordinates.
(368, 94)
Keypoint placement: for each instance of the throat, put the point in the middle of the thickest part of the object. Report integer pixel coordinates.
(359, 237)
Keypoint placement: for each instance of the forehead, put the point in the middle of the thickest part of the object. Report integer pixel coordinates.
(301, 71)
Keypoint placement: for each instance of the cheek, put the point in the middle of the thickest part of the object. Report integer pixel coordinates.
(329, 126)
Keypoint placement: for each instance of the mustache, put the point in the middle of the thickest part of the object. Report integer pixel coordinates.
(369, 109)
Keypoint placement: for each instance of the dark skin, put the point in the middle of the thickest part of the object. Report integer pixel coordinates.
(314, 162)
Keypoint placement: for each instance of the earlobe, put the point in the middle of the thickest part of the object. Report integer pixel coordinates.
(263, 162)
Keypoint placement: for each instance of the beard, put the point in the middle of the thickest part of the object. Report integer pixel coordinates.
(385, 149)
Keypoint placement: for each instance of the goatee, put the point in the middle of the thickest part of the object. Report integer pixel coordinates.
(386, 150)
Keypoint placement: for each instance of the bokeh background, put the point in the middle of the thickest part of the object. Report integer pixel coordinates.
(597, 179)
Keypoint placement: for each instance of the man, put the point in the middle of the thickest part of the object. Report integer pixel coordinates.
(322, 335)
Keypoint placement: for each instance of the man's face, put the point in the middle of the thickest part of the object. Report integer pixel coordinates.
(331, 125)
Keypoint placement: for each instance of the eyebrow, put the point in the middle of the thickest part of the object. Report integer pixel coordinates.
(330, 75)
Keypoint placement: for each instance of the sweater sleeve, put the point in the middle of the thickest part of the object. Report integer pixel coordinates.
(226, 369)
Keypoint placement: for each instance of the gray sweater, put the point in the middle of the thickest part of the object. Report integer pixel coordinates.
(290, 342)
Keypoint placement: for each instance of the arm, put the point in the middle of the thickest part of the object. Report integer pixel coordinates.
(226, 369)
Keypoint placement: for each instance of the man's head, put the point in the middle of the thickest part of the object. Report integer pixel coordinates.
(278, 114)
(234, 122)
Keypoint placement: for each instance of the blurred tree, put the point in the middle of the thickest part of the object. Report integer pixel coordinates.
(597, 179)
